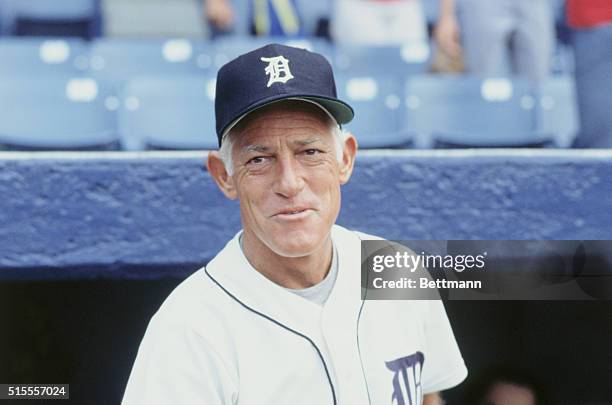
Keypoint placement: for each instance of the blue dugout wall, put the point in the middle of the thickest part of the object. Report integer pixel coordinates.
(154, 215)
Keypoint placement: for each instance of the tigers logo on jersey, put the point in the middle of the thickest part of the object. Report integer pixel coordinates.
(407, 389)
(277, 69)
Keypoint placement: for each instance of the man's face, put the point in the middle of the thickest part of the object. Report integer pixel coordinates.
(287, 177)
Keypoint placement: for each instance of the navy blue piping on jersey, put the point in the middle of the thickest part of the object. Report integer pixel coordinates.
(331, 385)
(365, 294)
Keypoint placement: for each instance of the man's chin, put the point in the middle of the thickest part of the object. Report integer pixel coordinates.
(295, 249)
(297, 244)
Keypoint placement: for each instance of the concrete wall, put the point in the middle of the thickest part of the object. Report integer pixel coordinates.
(152, 215)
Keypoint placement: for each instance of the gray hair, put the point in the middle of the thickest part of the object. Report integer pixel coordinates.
(227, 146)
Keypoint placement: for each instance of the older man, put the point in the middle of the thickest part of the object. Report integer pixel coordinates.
(277, 316)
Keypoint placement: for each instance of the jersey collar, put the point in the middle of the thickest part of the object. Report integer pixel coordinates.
(231, 270)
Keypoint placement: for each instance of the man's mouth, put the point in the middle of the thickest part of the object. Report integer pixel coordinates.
(292, 212)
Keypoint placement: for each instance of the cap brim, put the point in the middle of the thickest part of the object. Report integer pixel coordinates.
(341, 111)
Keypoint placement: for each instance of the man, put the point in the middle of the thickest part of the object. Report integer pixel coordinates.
(277, 317)
(263, 17)
(378, 23)
(268, 18)
(276, 18)
(591, 22)
(502, 37)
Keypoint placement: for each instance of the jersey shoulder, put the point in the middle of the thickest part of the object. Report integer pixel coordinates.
(197, 303)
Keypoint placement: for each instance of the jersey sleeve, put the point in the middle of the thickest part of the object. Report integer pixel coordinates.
(444, 367)
(175, 365)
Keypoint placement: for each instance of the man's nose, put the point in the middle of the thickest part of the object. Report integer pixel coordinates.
(289, 181)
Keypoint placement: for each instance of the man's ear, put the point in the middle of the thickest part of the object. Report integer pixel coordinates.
(348, 158)
(217, 170)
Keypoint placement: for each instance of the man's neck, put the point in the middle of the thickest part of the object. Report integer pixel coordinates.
(289, 272)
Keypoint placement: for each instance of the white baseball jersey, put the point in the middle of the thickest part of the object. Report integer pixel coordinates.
(228, 335)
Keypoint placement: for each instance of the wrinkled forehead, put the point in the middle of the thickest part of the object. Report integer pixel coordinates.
(293, 119)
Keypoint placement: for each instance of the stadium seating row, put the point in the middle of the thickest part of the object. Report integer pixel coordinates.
(177, 112)
(120, 60)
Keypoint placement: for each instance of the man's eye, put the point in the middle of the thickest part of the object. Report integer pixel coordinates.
(312, 152)
(257, 160)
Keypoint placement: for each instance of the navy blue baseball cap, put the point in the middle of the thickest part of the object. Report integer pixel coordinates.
(272, 73)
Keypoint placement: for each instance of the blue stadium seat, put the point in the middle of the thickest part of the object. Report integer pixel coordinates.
(75, 18)
(119, 60)
(464, 111)
(383, 60)
(57, 114)
(558, 108)
(377, 101)
(168, 113)
(36, 57)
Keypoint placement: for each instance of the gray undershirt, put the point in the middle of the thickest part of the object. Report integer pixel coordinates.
(318, 293)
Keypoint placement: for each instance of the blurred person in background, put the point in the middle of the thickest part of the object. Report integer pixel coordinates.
(219, 13)
(284, 18)
(498, 37)
(505, 385)
(378, 22)
(591, 21)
